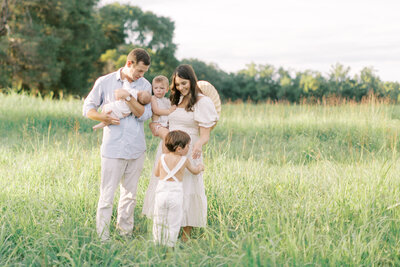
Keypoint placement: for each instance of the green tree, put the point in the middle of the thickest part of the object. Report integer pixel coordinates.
(260, 82)
(288, 90)
(4, 18)
(339, 81)
(126, 27)
(52, 44)
(211, 73)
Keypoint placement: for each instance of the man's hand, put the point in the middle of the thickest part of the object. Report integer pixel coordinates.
(121, 94)
(107, 119)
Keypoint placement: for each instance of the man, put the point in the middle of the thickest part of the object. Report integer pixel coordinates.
(123, 146)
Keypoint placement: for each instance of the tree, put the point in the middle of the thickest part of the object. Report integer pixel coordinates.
(57, 45)
(288, 90)
(339, 73)
(128, 26)
(52, 44)
(211, 73)
(4, 17)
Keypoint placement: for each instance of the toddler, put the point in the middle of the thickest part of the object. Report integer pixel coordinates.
(160, 105)
(168, 206)
(119, 108)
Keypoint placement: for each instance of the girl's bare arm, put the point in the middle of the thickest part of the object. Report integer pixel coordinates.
(194, 169)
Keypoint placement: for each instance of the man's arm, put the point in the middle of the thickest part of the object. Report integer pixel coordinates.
(92, 103)
(136, 108)
(93, 114)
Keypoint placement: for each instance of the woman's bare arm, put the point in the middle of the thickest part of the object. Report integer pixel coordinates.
(203, 139)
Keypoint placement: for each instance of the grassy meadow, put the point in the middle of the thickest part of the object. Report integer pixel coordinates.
(287, 185)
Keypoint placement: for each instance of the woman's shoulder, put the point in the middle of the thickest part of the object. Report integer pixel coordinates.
(203, 99)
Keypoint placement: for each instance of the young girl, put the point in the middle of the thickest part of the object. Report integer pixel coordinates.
(160, 105)
(168, 207)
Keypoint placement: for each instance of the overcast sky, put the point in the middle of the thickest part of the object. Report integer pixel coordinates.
(294, 34)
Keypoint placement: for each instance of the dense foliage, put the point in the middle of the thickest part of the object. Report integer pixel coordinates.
(55, 46)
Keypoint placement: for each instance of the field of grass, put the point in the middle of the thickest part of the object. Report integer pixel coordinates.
(289, 185)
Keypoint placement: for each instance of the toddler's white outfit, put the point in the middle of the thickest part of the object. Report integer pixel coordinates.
(168, 206)
(163, 103)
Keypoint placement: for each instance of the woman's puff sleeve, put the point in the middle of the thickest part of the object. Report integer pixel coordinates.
(205, 113)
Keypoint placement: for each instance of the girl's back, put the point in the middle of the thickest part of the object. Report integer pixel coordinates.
(171, 161)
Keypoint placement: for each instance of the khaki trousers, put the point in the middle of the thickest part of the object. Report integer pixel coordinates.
(114, 172)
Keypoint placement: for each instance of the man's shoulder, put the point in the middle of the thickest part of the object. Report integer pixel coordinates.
(108, 77)
(145, 84)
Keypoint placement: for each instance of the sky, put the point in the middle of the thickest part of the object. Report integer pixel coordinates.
(294, 34)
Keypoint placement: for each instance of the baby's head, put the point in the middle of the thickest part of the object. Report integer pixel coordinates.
(143, 97)
(160, 86)
(178, 142)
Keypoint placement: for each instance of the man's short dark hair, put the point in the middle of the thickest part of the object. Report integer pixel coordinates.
(139, 55)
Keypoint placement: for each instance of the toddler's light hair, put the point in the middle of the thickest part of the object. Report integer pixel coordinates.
(161, 79)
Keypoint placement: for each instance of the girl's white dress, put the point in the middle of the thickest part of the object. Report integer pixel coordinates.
(194, 197)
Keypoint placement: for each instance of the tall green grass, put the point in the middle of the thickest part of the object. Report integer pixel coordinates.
(286, 185)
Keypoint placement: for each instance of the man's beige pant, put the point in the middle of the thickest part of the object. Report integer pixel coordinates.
(114, 172)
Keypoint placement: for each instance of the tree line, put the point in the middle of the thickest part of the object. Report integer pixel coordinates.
(62, 46)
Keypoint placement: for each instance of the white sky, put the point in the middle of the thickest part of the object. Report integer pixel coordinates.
(293, 34)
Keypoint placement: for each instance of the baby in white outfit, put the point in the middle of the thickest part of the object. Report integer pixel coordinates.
(119, 108)
(168, 205)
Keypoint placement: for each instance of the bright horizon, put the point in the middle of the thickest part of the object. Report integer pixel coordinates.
(295, 35)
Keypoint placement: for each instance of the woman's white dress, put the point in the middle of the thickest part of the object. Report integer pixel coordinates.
(194, 197)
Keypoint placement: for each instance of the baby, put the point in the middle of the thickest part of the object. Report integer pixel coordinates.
(160, 105)
(168, 204)
(119, 108)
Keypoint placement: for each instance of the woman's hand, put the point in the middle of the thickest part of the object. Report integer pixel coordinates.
(196, 152)
(204, 137)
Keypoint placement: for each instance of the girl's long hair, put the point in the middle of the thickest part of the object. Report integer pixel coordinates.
(185, 72)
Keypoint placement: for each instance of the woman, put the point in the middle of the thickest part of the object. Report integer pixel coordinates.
(195, 115)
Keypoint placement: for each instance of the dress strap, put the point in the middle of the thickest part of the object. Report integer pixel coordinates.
(171, 174)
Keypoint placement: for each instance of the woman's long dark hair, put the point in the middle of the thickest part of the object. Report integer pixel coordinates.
(185, 72)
